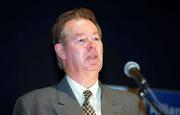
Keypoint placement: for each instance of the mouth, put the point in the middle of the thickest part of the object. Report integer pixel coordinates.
(91, 57)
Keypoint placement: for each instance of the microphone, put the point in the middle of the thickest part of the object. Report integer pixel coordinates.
(132, 69)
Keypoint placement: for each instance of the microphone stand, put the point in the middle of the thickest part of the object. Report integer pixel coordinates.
(142, 92)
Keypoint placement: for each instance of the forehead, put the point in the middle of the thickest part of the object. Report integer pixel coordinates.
(80, 26)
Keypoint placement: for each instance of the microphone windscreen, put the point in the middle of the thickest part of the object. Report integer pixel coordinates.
(128, 66)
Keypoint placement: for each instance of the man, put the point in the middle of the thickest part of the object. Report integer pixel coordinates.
(79, 49)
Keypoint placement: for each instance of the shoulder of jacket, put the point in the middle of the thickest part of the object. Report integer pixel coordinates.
(42, 94)
(121, 93)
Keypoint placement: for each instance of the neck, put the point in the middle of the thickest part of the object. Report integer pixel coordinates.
(86, 79)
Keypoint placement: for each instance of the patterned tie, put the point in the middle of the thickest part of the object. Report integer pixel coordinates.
(86, 107)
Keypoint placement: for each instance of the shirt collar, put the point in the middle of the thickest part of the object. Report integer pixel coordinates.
(79, 89)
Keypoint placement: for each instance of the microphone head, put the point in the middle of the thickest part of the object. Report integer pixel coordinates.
(128, 66)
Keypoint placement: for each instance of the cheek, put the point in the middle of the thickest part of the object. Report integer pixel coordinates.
(101, 53)
(78, 54)
(100, 49)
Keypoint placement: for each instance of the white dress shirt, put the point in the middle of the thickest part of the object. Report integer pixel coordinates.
(95, 99)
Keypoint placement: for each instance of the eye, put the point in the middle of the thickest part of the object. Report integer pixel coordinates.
(81, 41)
(95, 38)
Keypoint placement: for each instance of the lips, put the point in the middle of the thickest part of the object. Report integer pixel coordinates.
(91, 57)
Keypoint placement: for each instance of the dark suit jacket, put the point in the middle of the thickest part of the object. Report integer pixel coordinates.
(60, 100)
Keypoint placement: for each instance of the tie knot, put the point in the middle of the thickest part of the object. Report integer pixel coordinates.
(87, 94)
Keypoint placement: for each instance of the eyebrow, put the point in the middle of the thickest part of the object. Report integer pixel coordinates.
(83, 34)
(80, 34)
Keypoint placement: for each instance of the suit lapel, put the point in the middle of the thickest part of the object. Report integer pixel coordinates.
(67, 103)
(109, 105)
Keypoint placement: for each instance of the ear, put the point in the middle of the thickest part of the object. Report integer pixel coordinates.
(59, 49)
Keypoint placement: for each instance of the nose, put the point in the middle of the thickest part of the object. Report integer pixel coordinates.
(91, 45)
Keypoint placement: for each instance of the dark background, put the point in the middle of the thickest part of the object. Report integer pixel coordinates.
(145, 31)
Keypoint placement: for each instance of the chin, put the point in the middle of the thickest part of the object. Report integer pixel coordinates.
(93, 68)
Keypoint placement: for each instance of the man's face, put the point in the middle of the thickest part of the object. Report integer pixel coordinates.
(83, 49)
